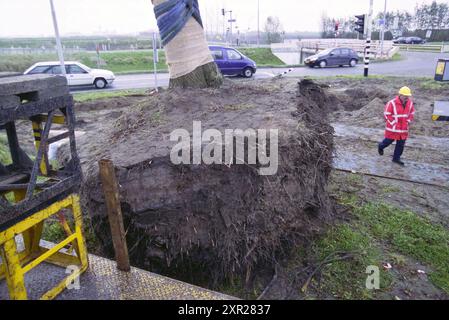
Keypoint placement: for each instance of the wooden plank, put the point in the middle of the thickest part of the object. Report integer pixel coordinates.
(23, 186)
(16, 178)
(13, 142)
(112, 197)
(59, 137)
(40, 154)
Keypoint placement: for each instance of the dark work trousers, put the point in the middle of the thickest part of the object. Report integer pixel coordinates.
(398, 151)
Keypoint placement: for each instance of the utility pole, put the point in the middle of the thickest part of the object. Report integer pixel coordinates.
(58, 39)
(230, 21)
(223, 12)
(155, 61)
(383, 29)
(368, 38)
(258, 23)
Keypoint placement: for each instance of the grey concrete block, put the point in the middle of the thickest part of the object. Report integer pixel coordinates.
(9, 102)
(30, 83)
(53, 93)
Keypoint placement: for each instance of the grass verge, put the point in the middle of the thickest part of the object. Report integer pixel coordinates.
(346, 279)
(91, 96)
(405, 232)
(378, 233)
(411, 235)
(431, 84)
(262, 56)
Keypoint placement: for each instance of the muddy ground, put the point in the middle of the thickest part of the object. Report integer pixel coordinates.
(354, 105)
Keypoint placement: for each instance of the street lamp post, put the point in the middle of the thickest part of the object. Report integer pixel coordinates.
(231, 21)
(258, 22)
(383, 29)
(58, 38)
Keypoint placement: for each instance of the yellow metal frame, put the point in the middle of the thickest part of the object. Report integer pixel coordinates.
(16, 264)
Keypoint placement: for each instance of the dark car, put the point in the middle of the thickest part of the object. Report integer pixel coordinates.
(232, 62)
(415, 40)
(400, 40)
(333, 57)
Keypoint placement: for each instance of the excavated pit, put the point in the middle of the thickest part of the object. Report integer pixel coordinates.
(212, 222)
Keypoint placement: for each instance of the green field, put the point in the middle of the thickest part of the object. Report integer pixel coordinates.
(118, 62)
(122, 61)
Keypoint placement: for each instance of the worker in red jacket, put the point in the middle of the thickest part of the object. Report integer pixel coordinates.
(399, 113)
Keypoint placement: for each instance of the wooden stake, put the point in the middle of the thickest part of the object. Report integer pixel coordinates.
(111, 194)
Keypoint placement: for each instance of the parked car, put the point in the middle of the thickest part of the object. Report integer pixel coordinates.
(409, 40)
(415, 40)
(333, 57)
(400, 40)
(77, 73)
(232, 62)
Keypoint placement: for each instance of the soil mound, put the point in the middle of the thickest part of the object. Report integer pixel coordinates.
(371, 115)
(214, 220)
(358, 98)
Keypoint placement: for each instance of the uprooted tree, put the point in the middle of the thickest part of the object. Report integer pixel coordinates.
(207, 221)
(189, 60)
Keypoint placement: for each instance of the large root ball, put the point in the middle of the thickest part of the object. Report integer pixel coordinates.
(223, 219)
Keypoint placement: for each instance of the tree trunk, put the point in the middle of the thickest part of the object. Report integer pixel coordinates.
(189, 60)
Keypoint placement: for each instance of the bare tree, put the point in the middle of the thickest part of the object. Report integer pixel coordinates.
(432, 16)
(189, 60)
(273, 30)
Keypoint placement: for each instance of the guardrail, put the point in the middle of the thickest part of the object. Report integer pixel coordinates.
(316, 45)
(424, 47)
(356, 45)
(31, 51)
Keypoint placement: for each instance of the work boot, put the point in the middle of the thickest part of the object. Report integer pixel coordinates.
(399, 162)
(381, 151)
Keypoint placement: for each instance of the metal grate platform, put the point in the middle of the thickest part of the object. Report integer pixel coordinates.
(102, 281)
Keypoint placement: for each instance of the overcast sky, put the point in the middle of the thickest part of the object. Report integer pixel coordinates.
(87, 17)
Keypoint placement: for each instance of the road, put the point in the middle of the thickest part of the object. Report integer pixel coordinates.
(413, 64)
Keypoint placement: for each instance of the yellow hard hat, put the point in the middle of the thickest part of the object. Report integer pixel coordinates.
(405, 91)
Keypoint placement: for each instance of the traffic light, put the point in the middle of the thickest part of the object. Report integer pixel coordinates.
(223, 12)
(361, 24)
(337, 25)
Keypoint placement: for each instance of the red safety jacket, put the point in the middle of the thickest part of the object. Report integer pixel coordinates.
(398, 119)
